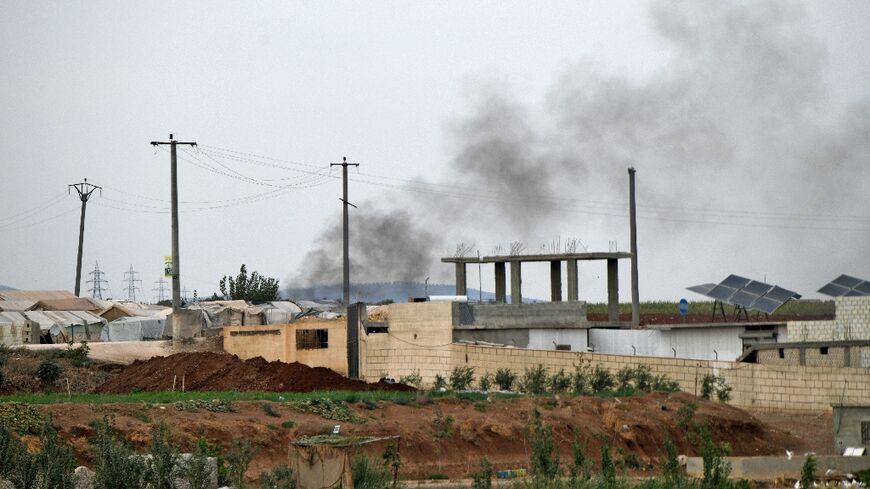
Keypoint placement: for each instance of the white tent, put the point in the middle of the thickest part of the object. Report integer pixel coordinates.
(134, 329)
(68, 325)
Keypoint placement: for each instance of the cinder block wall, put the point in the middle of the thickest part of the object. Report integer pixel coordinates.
(420, 339)
(851, 322)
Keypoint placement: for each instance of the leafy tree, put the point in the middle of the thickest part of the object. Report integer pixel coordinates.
(254, 288)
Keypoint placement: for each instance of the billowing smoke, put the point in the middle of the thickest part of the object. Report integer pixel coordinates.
(734, 130)
(387, 247)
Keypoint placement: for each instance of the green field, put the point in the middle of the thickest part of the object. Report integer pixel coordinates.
(170, 397)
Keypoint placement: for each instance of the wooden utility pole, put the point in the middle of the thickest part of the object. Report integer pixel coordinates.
(346, 242)
(84, 191)
(176, 268)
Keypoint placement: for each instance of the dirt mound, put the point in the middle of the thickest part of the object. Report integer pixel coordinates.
(207, 371)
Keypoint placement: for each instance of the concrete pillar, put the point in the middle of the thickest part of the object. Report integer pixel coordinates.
(516, 282)
(460, 279)
(500, 282)
(556, 281)
(612, 289)
(573, 282)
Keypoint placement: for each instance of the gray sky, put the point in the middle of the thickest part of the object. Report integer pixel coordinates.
(748, 124)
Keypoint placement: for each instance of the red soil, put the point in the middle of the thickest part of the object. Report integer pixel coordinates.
(207, 371)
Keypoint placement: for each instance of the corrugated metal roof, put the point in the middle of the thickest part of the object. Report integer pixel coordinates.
(35, 295)
(72, 304)
(17, 305)
(12, 318)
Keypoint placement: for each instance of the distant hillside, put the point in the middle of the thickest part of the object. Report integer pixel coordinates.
(377, 292)
(6, 287)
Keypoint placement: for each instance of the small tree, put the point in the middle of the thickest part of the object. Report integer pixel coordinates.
(808, 472)
(255, 288)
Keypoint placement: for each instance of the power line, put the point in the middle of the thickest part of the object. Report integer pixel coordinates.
(84, 191)
(176, 266)
(97, 280)
(130, 281)
(160, 290)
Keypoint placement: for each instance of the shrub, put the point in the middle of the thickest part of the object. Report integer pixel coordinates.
(440, 382)
(671, 468)
(114, 467)
(545, 458)
(194, 470)
(442, 426)
(661, 383)
(461, 378)
(369, 473)
(78, 356)
(685, 414)
(437, 476)
(269, 410)
(484, 383)
(534, 380)
(716, 470)
(238, 459)
(559, 382)
(608, 469)
(281, 477)
(392, 460)
(48, 371)
(505, 379)
(161, 465)
(482, 479)
(623, 378)
(579, 469)
(602, 379)
(714, 385)
(581, 379)
(808, 471)
(413, 379)
(289, 424)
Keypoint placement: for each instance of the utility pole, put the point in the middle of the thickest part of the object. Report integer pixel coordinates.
(84, 191)
(131, 281)
(97, 289)
(344, 164)
(176, 268)
(632, 218)
(160, 289)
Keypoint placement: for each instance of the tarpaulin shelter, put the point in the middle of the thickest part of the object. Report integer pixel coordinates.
(63, 326)
(134, 328)
(280, 312)
(15, 329)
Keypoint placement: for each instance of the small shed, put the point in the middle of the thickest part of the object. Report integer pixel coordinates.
(851, 427)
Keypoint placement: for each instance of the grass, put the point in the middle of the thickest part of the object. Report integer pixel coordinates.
(809, 308)
(167, 397)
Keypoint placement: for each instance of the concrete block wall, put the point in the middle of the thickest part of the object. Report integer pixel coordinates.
(419, 339)
(851, 322)
(538, 315)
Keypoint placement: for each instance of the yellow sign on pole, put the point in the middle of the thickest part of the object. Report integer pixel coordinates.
(167, 266)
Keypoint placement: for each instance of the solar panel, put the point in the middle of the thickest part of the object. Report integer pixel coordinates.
(846, 285)
(777, 293)
(702, 289)
(756, 287)
(749, 294)
(767, 305)
(834, 290)
(722, 293)
(847, 281)
(735, 281)
(744, 299)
